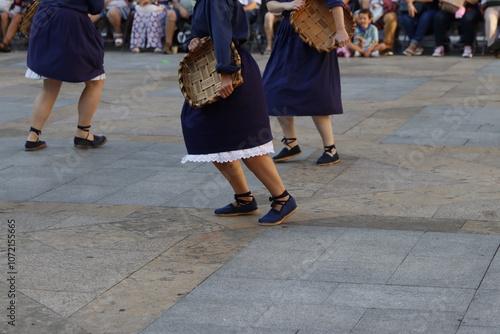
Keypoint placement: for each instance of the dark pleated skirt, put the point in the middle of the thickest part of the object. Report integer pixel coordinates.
(65, 45)
(235, 123)
(298, 80)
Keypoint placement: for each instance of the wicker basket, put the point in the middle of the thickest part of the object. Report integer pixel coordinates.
(315, 24)
(27, 18)
(198, 80)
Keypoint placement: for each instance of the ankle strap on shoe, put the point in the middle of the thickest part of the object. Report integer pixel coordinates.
(84, 128)
(38, 132)
(240, 201)
(288, 141)
(274, 200)
(329, 148)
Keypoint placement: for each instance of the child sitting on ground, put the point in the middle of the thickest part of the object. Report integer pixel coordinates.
(365, 40)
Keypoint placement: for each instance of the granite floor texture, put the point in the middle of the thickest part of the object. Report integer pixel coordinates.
(402, 236)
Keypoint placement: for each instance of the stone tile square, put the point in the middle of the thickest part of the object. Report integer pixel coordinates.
(484, 309)
(440, 272)
(378, 89)
(478, 330)
(228, 314)
(377, 178)
(256, 263)
(407, 321)
(461, 246)
(487, 210)
(235, 290)
(297, 238)
(26, 222)
(365, 244)
(492, 278)
(395, 297)
(25, 188)
(88, 194)
(355, 270)
(139, 198)
(175, 328)
(311, 317)
(437, 125)
(114, 177)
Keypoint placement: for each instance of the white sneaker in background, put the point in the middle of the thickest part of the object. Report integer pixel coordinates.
(438, 52)
(467, 52)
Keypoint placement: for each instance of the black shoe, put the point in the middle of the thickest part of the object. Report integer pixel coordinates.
(287, 153)
(328, 158)
(35, 145)
(275, 217)
(85, 143)
(496, 45)
(242, 207)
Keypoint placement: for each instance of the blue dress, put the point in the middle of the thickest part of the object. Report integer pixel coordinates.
(64, 43)
(298, 80)
(240, 121)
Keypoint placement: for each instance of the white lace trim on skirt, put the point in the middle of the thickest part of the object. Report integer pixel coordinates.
(32, 75)
(231, 155)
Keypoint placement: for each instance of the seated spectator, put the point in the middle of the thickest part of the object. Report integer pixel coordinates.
(442, 22)
(417, 19)
(148, 25)
(491, 13)
(365, 39)
(115, 11)
(270, 21)
(388, 21)
(181, 12)
(252, 8)
(10, 18)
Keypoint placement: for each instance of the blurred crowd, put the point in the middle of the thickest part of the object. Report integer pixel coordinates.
(384, 27)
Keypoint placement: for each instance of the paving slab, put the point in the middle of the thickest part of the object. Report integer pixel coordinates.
(401, 236)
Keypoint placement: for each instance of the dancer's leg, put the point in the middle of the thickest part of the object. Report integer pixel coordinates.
(324, 126)
(287, 124)
(234, 174)
(87, 105)
(43, 105)
(265, 170)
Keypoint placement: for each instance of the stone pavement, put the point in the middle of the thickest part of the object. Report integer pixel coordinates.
(402, 236)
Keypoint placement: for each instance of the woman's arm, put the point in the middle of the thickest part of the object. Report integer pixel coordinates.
(341, 37)
(278, 7)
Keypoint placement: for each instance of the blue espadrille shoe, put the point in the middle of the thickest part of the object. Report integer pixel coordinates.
(287, 153)
(85, 143)
(275, 217)
(328, 158)
(35, 145)
(243, 207)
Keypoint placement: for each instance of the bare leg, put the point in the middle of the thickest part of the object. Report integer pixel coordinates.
(170, 25)
(265, 170)
(12, 29)
(269, 20)
(43, 105)
(288, 126)
(87, 106)
(5, 22)
(115, 19)
(234, 174)
(324, 126)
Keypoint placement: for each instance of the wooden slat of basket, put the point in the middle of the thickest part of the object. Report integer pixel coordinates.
(316, 26)
(198, 80)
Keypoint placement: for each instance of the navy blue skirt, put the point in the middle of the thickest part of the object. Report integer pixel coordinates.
(236, 123)
(65, 45)
(298, 80)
